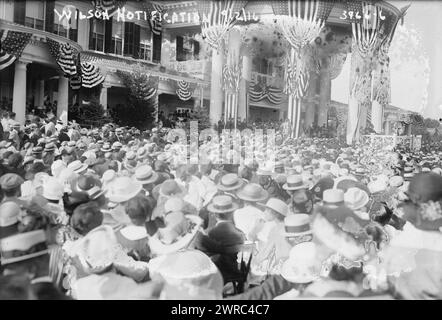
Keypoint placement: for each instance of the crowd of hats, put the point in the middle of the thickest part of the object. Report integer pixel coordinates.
(118, 197)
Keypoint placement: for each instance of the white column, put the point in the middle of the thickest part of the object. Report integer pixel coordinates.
(377, 112)
(19, 94)
(244, 86)
(41, 93)
(103, 96)
(62, 95)
(324, 92)
(216, 89)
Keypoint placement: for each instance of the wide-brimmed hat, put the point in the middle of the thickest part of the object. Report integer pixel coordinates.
(10, 181)
(181, 242)
(296, 225)
(145, 174)
(23, 246)
(106, 147)
(52, 189)
(356, 198)
(408, 173)
(222, 204)
(333, 198)
(9, 215)
(123, 189)
(302, 265)
(77, 166)
(295, 182)
(230, 182)
(396, 181)
(96, 251)
(341, 230)
(377, 186)
(252, 192)
(277, 205)
(188, 274)
(170, 188)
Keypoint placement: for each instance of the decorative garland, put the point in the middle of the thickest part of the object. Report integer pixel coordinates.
(259, 92)
(184, 89)
(90, 75)
(64, 55)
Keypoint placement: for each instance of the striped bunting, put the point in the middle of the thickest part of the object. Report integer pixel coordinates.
(12, 45)
(156, 12)
(63, 55)
(294, 116)
(110, 6)
(365, 32)
(231, 107)
(90, 75)
(217, 17)
(184, 89)
(259, 92)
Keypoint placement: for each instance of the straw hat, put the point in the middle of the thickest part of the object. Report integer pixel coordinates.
(189, 274)
(180, 241)
(123, 189)
(356, 198)
(230, 182)
(9, 215)
(301, 266)
(174, 204)
(278, 206)
(294, 182)
(296, 225)
(52, 189)
(170, 188)
(78, 167)
(396, 181)
(222, 204)
(252, 192)
(377, 186)
(145, 174)
(23, 246)
(332, 198)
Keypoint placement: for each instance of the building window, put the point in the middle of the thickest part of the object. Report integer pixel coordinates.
(66, 28)
(145, 44)
(35, 14)
(186, 48)
(117, 38)
(97, 35)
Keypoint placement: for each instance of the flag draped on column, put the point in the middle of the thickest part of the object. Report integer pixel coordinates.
(300, 22)
(12, 45)
(370, 79)
(217, 17)
(231, 78)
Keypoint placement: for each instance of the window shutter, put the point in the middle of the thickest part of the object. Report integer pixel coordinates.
(108, 36)
(179, 49)
(136, 34)
(91, 31)
(128, 38)
(156, 44)
(196, 49)
(19, 12)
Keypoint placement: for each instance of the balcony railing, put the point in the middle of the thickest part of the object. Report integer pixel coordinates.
(37, 34)
(268, 80)
(196, 68)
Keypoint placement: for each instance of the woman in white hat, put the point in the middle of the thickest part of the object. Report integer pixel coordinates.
(301, 200)
(104, 271)
(357, 200)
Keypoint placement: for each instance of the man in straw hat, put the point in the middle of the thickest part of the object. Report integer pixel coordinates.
(300, 198)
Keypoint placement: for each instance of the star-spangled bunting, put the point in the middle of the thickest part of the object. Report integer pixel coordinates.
(63, 55)
(184, 89)
(12, 45)
(156, 12)
(90, 75)
(110, 6)
(259, 92)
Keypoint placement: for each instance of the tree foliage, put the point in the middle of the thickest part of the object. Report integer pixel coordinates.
(140, 108)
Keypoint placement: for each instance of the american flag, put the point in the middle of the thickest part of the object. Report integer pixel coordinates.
(325, 7)
(12, 45)
(63, 55)
(110, 6)
(217, 17)
(355, 7)
(156, 12)
(90, 75)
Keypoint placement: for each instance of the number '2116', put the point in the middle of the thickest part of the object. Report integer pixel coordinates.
(350, 14)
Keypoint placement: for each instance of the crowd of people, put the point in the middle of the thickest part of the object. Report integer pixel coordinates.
(112, 213)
